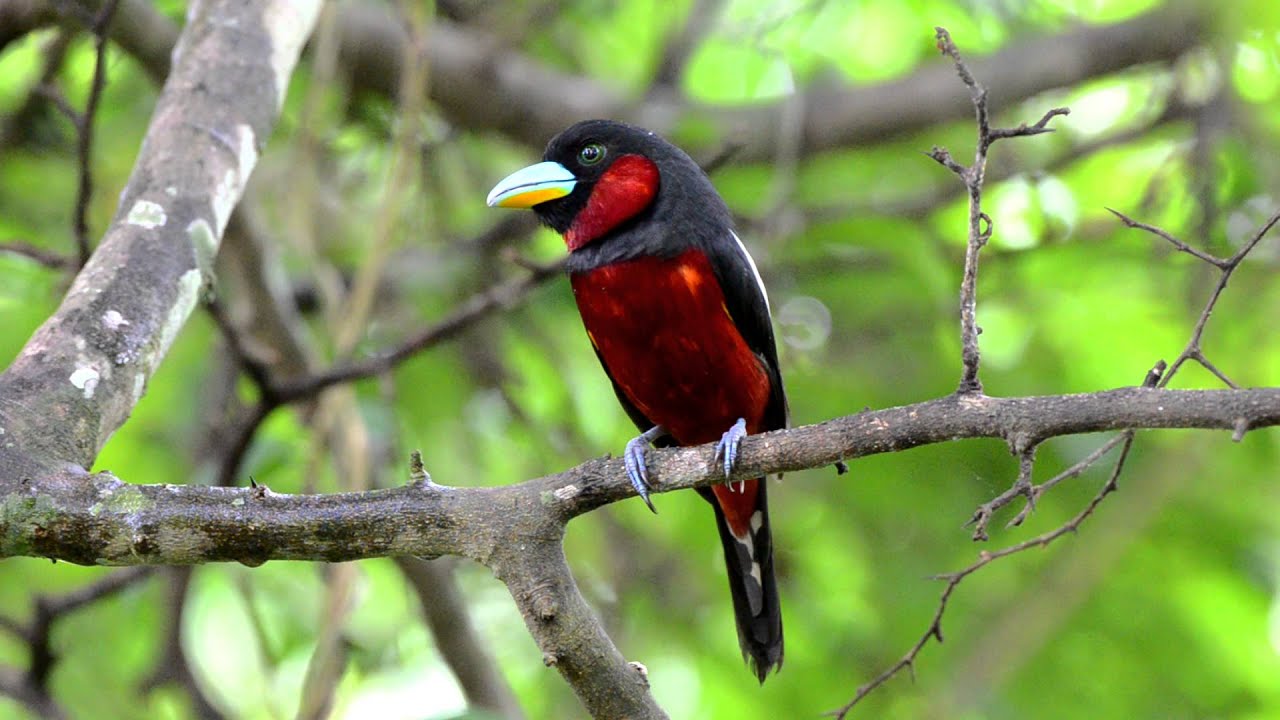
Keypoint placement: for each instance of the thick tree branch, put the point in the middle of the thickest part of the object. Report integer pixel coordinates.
(97, 519)
(87, 365)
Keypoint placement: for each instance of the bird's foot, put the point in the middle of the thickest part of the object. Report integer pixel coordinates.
(727, 448)
(633, 457)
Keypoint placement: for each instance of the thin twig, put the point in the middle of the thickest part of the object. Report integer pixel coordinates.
(49, 610)
(473, 310)
(1227, 266)
(1021, 487)
(1181, 246)
(257, 370)
(985, 557)
(974, 176)
(41, 256)
(1156, 378)
(84, 128)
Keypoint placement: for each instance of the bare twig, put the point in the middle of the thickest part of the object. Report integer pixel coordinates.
(1156, 378)
(258, 371)
(973, 177)
(985, 557)
(1021, 487)
(1227, 266)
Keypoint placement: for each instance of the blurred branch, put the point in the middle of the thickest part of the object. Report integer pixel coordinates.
(139, 28)
(33, 687)
(50, 609)
(41, 256)
(20, 17)
(13, 684)
(481, 85)
(278, 393)
(23, 124)
(513, 97)
(698, 24)
(172, 666)
(467, 313)
(84, 128)
(456, 638)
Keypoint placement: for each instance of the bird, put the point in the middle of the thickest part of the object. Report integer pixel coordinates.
(679, 318)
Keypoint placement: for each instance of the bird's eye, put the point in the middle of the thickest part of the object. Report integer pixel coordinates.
(591, 154)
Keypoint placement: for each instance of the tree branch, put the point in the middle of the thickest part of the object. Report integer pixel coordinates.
(70, 515)
(84, 129)
(512, 96)
(38, 255)
(97, 519)
(446, 614)
(87, 365)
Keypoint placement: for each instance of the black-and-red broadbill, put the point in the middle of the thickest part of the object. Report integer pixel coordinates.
(677, 313)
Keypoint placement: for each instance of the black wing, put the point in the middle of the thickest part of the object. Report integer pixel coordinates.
(748, 304)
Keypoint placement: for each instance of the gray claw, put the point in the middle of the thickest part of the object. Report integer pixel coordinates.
(728, 445)
(633, 458)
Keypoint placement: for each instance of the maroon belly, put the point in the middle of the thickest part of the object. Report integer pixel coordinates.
(665, 336)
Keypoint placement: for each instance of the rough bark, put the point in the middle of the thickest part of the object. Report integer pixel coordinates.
(87, 366)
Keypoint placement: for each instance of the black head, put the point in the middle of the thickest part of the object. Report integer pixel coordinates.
(589, 149)
(600, 176)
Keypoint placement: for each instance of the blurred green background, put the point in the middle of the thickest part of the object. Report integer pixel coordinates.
(1165, 605)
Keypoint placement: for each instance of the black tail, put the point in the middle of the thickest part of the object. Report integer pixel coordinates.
(755, 596)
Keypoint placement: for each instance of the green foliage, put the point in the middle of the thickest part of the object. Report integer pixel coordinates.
(1166, 604)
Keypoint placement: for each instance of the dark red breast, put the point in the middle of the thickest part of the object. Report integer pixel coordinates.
(666, 338)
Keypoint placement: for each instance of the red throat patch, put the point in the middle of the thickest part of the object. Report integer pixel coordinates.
(626, 188)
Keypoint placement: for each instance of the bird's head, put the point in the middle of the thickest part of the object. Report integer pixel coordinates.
(597, 175)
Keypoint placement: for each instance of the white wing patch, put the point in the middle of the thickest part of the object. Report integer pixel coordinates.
(754, 272)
